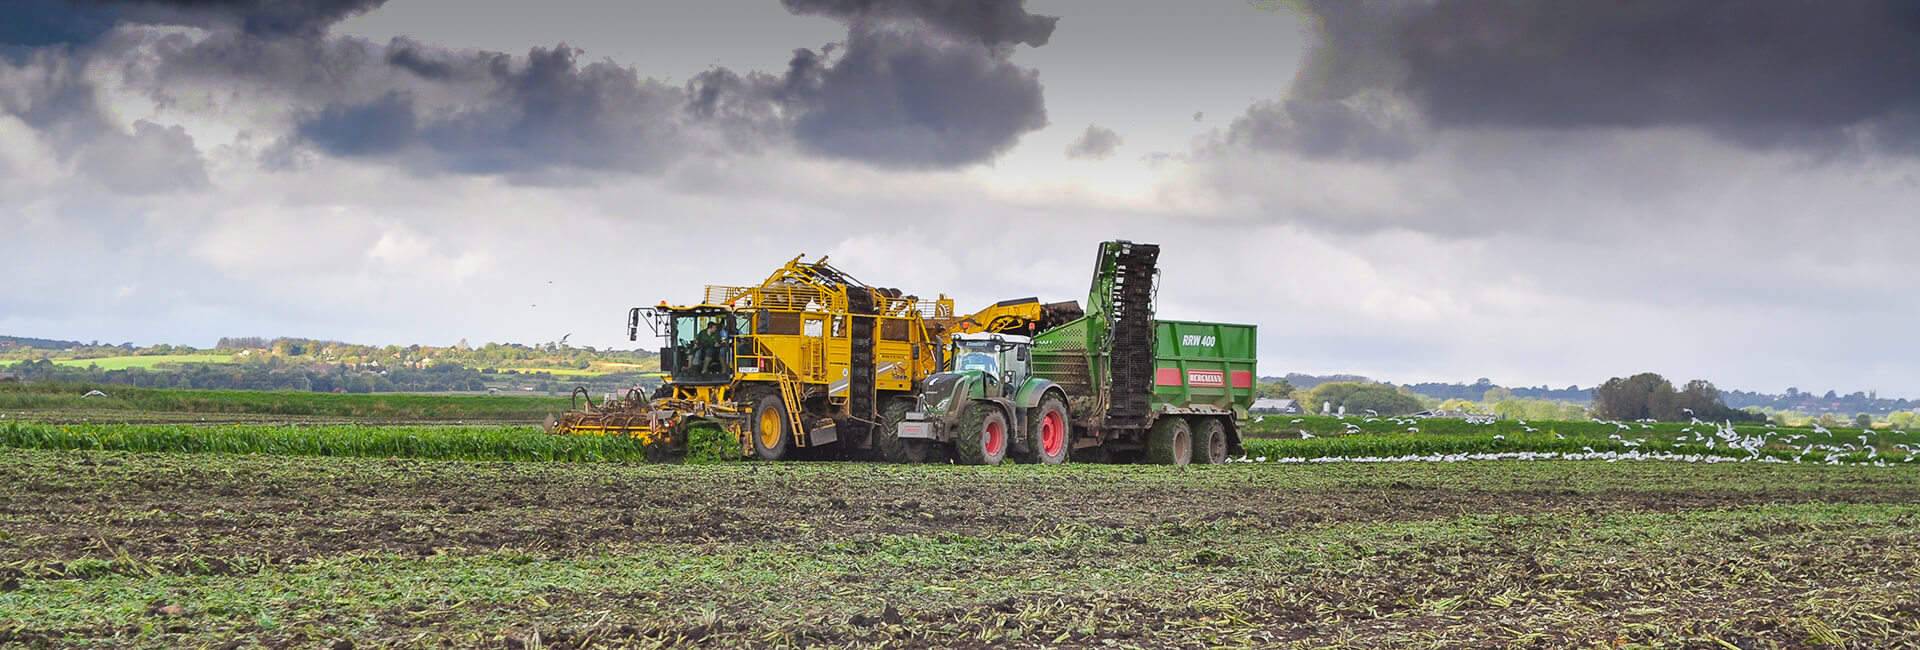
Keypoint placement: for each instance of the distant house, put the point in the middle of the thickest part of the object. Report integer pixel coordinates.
(1274, 405)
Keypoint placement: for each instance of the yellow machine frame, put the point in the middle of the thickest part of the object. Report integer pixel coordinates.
(797, 341)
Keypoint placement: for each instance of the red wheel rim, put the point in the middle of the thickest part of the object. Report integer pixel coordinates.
(1053, 436)
(996, 436)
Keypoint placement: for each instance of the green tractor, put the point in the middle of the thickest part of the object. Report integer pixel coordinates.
(986, 406)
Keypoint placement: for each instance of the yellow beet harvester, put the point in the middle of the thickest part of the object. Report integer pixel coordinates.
(797, 362)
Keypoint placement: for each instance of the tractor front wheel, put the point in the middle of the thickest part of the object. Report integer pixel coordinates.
(769, 427)
(893, 447)
(982, 438)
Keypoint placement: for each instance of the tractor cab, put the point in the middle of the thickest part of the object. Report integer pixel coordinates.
(1001, 359)
(700, 341)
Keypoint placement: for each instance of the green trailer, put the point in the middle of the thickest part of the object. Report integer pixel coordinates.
(1202, 385)
(1113, 385)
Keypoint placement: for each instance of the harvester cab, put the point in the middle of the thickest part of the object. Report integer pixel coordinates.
(701, 342)
(986, 405)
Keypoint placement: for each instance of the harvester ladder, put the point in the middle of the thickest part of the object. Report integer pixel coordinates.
(1130, 341)
(790, 398)
(861, 382)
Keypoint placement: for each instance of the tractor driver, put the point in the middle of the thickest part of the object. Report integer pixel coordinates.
(707, 348)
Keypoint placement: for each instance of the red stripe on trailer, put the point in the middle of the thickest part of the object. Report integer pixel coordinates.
(1166, 377)
(1242, 379)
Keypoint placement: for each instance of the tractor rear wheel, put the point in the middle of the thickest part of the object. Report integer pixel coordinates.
(1048, 437)
(887, 438)
(1210, 442)
(982, 438)
(768, 426)
(1170, 441)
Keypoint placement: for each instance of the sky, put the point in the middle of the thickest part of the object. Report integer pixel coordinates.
(1540, 193)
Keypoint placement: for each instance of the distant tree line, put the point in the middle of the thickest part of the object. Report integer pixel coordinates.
(1829, 402)
(1650, 396)
(1359, 397)
(321, 378)
(1476, 391)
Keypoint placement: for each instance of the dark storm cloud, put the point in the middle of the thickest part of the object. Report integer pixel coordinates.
(902, 99)
(937, 93)
(150, 160)
(1323, 129)
(545, 111)
(1096, 143)
(382, 126)
(51, 95)
(916, 84)
(991, 22)
(1758, 72)
(50, 22)
(417, 60)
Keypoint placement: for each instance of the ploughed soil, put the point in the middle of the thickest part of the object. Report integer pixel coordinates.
(182, 550)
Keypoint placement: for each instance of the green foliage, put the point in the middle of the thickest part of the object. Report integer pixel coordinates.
(1276, 390)
(389, 406)
(1649, 395)
(436, 442)
(1535, 409)
(708, 443)
(1359, 397)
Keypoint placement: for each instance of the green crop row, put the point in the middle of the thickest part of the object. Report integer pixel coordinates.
(1403, 445)
(388, 406)
(434, 442)
(1290, 426)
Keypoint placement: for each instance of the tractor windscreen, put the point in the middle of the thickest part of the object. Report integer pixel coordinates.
(977, 355)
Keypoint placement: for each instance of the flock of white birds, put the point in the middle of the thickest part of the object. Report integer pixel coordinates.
(1725, 443)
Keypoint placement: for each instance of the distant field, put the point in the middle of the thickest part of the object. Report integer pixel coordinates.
(598, 368)
(123, 363)
(61, 402)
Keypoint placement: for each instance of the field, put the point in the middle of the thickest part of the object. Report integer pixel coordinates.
(300, 520)
(148, 361)
(67, 403)
(214, 550)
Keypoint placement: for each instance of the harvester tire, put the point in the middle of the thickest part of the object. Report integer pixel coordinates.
(1170, 441)
(887, 440)
(983, 436)
(1049, 437)
(768, 426)
(1210, 442)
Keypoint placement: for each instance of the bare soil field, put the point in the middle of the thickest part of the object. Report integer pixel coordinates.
(104, 549)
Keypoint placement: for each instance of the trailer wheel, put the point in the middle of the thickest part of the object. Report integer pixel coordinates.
(982, 438)
(892, 447)
(1170, 441)
(1210, 442)
(772, 433)
(1048, 436)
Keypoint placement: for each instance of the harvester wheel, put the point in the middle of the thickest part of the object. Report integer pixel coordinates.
(770, 429)
(982, 438)
(1210, 442)
(887, 438)
(1170, 441)
(1048, 437)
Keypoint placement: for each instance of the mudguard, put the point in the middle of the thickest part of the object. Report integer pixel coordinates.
(1036, 388)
